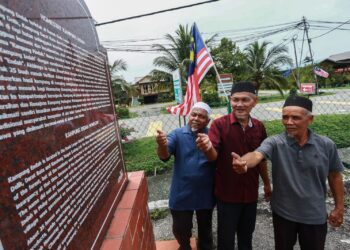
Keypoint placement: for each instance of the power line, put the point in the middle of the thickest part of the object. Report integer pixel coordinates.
(331, 29)
(156, 12)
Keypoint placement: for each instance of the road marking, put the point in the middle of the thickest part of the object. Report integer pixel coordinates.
(152, 128)
(345, 241)
(214, 116)
(279, 110)
(334, 102)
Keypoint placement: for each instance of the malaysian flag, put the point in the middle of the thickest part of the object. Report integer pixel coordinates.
(320, 72)
(201, 62)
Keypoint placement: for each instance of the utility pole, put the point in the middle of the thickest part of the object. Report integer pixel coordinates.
(296, 63)
(306, 29)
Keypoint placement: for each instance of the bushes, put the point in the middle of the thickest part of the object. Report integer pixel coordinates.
(166, 97)
(332, 126)
(124, 131)
(213, 100)
(123, 112)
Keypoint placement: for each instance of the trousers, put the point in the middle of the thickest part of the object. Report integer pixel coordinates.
(310, 237)
(236, 218)
(182, 228)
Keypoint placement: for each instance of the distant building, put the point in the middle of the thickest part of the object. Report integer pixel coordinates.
(150, 89)
(340, 62)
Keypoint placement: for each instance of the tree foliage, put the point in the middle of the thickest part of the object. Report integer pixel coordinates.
(228, 58)
(121, 89)
(263, 65)
(177, 56)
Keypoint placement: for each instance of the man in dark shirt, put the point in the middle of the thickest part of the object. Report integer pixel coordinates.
(236, 194)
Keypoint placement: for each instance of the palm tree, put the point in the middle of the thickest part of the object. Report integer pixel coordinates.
(176, 56)
(115, 68)
(122, 90)
(263, 64)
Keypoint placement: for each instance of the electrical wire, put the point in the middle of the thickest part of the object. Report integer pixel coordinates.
(155, 13)
(331, 30)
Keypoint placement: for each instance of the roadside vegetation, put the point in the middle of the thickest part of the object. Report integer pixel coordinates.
(141, 154)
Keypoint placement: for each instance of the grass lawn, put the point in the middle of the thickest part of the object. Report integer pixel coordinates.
(141, 154)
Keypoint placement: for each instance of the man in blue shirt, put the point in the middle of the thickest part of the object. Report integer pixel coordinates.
(192, 187)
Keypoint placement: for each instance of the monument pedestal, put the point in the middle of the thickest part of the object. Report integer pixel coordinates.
(131, 226)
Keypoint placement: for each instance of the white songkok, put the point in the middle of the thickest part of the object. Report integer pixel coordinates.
(202, 105)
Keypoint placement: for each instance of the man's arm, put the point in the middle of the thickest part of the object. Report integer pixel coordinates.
(204, 144)
(335, 180)
(249, 160)
(162, 148)
(265, 178)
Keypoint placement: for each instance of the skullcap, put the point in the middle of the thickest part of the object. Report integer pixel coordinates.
(243, 86)
(300, 101)
(202, 105)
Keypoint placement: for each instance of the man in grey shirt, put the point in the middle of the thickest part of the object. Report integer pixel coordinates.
(301, 163)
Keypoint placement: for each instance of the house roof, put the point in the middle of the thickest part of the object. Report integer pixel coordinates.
(146, 79)
(340, 59)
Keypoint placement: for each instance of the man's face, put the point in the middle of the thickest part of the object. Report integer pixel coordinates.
(242, 103)
(296, 120)
(198, 119)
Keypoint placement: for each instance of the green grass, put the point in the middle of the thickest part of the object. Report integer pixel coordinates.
(141, 154)
(131, 115)
(271, 98)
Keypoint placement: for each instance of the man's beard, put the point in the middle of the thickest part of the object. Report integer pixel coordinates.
(194, 129)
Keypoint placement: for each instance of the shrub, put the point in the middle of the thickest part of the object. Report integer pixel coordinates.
(124, 131)
(166, 97)
(122, 112)
(158, 214)
(212, 99)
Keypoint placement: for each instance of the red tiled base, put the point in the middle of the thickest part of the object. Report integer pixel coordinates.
(131, 227)
(173, 245)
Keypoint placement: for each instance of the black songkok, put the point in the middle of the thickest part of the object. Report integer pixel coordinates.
(300, 101)
(243, 86)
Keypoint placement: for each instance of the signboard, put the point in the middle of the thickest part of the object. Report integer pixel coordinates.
(307, 88)
(224, 88)
(177, 87)
(61, 163)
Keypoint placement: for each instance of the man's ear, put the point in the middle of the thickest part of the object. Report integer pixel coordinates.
(311, 119)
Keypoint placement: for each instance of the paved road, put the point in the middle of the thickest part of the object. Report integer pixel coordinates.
(150, 118)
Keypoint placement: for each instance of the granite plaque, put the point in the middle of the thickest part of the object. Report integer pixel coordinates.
(61, 168)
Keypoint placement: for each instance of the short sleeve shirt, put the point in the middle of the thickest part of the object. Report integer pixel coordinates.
(299, 175)
(192, 186)
(227, 135)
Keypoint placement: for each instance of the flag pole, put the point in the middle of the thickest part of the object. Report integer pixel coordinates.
(216, 72)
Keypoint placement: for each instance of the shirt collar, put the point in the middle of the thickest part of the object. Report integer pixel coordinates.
(187, 130)
(310, 140)
(233, 120)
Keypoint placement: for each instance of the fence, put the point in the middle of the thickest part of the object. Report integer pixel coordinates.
(150, 117)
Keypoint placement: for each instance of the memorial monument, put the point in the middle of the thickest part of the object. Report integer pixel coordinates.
(61, 167)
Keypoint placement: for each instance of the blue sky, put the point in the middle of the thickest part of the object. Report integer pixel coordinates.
(225, 15)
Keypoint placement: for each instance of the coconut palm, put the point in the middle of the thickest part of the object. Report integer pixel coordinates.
(118, 66)
(176, 54)
(263, 65)
(122, 90)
